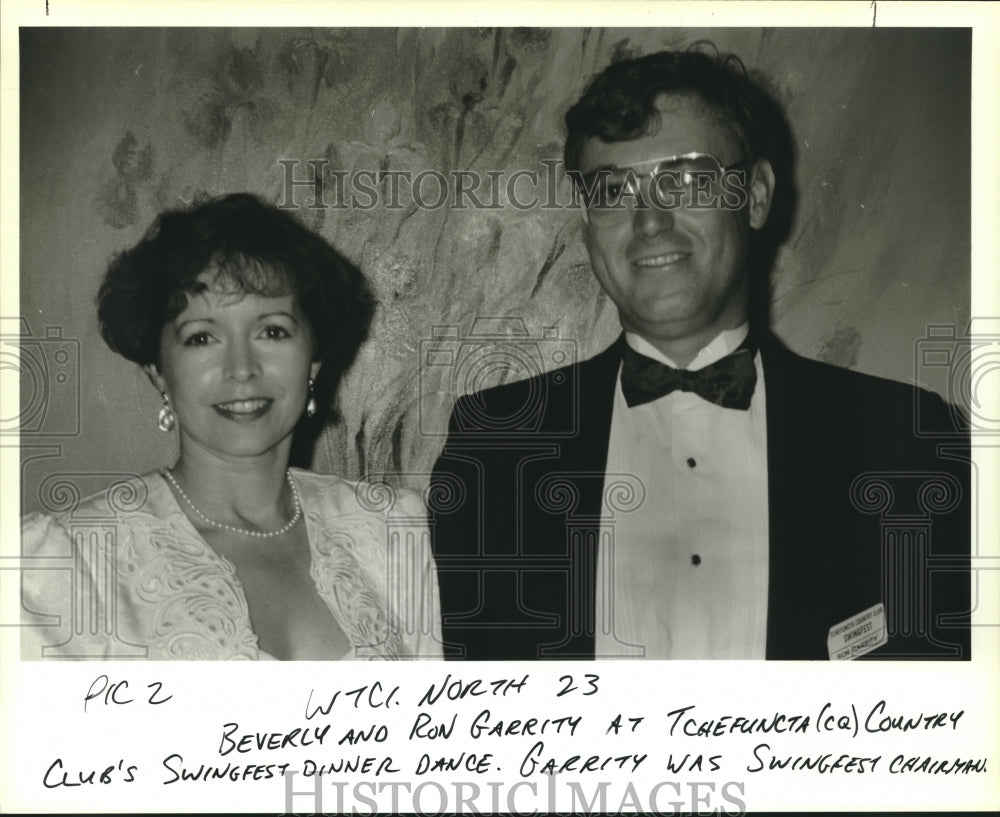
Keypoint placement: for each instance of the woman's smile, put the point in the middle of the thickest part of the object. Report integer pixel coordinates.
(244, 411)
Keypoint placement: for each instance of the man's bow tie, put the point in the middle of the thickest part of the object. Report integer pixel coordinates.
(728, 382)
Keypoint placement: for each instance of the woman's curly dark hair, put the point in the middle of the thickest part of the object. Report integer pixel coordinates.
(256, 248)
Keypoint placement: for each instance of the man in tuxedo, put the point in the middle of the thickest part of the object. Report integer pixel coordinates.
(696, 490)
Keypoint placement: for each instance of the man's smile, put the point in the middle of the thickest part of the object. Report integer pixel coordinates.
(661, 260)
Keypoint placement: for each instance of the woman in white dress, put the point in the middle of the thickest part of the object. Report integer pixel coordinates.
(244, 321)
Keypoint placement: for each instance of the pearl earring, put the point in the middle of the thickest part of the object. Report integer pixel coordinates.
(166, 420)
(311, 404)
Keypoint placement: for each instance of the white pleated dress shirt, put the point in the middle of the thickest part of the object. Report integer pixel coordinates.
(685, 574)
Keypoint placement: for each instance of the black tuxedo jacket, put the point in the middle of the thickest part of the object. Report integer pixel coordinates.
(869, 489)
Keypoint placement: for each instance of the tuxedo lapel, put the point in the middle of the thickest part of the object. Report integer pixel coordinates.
(798, 441)
(783, 466)
(582, 462)
(586, 455)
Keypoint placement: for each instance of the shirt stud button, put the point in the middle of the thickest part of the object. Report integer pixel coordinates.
(691, 463)
(695, 559)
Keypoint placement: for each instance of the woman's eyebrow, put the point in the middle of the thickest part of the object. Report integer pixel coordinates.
(278, 312)
(180, 325)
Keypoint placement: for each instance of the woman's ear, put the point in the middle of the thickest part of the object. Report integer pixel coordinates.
(155, 377)
(314, 368)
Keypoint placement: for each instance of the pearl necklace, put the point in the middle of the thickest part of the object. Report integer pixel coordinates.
(243, 531)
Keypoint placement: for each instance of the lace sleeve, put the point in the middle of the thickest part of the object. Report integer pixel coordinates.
(62, 595)
(44, 602)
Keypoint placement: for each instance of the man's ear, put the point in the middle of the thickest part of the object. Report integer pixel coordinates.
(155, 377)
(761, 192)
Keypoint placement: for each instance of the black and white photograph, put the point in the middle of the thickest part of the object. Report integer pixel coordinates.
(533, 352)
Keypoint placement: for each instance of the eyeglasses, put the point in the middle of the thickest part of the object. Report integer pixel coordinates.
(697, 181)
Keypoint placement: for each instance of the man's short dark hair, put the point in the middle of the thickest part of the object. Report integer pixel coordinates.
(620, 102)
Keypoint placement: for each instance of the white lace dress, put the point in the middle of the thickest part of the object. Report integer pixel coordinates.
(124, 574)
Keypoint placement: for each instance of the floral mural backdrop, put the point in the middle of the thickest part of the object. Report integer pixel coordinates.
(119, 124)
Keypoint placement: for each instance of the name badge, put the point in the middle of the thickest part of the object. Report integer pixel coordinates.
(857, 635)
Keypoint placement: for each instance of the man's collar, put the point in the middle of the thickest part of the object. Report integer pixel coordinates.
(726, 342)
